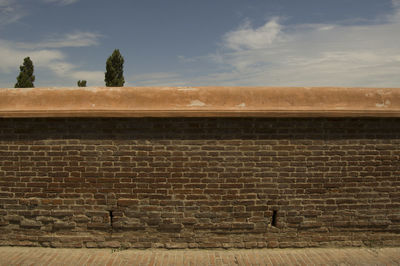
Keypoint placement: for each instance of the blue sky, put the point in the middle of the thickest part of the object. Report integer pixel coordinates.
(208, 42)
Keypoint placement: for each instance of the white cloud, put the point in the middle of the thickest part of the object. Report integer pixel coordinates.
(61, 2)
(245, 37)
(12, 57)
(310, 55)
(10, 12)
(46, 58)
(76, 39)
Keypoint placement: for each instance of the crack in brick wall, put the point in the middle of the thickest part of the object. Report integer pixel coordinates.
(199, 182)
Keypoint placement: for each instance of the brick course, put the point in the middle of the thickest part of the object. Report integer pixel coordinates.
(199, 182)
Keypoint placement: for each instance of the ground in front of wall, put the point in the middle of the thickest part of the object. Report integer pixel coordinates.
(311, 256)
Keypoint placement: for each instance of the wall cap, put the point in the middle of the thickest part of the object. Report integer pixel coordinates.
(200, 102)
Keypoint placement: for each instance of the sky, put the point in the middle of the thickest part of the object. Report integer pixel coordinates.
(347, 43)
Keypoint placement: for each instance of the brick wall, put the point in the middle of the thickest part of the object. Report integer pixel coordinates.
(199, 182)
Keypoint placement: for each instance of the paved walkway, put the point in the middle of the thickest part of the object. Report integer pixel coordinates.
(316, 256)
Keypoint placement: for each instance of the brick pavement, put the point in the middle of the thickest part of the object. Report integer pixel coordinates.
(316, 256)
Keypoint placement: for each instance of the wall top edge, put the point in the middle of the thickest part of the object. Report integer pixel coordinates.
(200, 102)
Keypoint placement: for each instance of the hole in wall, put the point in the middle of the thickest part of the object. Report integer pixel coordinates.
(274, 217)
(110, 214)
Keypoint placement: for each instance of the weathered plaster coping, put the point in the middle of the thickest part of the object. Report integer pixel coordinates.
(200, 102)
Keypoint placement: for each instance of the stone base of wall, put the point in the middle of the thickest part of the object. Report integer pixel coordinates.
(199, 182)
(267, 239)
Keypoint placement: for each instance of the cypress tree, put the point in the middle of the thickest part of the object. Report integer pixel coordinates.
(25, 78)
(81, 83)
(114, 76)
